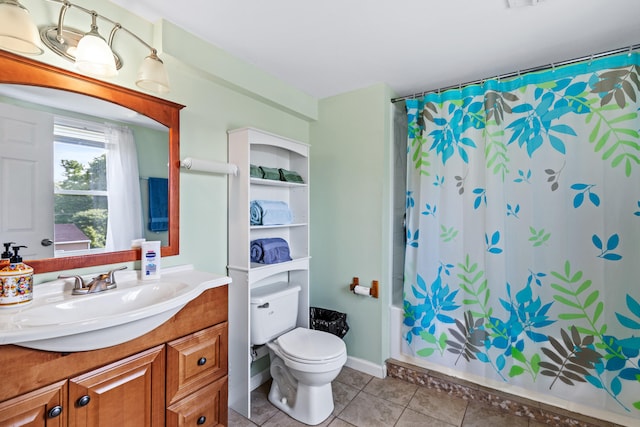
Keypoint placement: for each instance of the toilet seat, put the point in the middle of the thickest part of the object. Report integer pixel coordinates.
(311, 346)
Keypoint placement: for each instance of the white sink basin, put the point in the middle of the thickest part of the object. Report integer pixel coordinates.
(56, 320)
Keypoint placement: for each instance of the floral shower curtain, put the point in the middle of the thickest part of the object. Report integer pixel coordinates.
(523, 232)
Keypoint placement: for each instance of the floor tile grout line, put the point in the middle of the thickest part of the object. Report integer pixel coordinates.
(466, 408)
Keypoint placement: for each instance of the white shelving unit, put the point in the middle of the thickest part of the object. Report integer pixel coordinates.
(248, 146)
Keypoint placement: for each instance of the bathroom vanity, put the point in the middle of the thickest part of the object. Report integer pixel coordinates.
(173, 375)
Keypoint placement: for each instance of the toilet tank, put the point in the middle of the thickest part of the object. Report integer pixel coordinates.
(274, 311)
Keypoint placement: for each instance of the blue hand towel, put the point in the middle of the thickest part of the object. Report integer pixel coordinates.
(270, 212)
(270, 251)
(158, 204)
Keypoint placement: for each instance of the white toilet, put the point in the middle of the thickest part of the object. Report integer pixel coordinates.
(303, 361)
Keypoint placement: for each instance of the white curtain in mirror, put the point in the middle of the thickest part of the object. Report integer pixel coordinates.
(125, 207)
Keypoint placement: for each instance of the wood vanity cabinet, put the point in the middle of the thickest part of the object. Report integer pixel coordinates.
(175, 375)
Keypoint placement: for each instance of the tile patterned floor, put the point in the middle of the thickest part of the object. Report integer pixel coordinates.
(364, 401)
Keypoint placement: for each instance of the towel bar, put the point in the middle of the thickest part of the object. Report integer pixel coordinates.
(209, 166)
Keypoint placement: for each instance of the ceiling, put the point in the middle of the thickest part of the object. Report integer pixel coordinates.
(329, 47)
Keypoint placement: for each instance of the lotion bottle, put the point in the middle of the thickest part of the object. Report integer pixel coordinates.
(150, 259)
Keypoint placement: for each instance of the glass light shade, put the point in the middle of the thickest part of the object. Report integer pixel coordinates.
(18, 33)
(152, 75)
(94, 56)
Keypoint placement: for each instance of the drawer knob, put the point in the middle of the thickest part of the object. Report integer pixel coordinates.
(202, 361)
(201, 420)
(83, 401)
(55, 411)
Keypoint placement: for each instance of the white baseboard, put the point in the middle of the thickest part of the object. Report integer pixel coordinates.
(379, 371)
(260, 378)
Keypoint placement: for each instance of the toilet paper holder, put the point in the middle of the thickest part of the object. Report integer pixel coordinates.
(357, 289)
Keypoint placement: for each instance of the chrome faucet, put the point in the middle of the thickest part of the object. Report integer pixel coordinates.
(101, 282)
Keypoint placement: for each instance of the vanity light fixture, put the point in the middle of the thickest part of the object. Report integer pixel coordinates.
(152, 75)
(93, 55)
(90, 52)
(18, 32)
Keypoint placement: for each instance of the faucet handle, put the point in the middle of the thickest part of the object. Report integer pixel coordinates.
(112, 274)
(78, 282)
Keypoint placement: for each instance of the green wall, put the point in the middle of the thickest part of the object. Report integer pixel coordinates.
(350, 205)
(349, 137)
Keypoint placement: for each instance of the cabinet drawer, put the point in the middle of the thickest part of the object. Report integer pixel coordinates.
(196, 360)
(207, 407)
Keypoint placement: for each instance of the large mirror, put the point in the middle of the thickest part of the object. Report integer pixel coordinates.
(33, 89)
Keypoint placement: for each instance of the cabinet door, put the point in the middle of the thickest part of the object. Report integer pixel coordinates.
(196, 360)
(127, 393)
(42, 407)
(207, 407)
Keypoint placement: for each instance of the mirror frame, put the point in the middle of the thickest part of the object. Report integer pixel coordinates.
(17, 69)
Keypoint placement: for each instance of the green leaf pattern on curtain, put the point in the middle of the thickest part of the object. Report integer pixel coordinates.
(523, 232)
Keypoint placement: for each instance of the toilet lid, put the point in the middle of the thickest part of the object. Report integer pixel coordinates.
(310, 344)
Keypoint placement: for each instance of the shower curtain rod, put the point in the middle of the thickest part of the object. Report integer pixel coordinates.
(528, 70)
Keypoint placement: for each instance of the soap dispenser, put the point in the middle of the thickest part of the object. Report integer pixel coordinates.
(16, 281)
(5, 259)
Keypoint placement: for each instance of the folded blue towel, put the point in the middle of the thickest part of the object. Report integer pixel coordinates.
(270, 212)
(270, 251)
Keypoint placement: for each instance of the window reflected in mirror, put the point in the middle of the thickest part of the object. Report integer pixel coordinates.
(81, 206)
(101, 201)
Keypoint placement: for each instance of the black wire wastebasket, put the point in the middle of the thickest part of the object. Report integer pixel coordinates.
(328, 321)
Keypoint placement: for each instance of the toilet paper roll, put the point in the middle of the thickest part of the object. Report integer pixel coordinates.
(361, 290)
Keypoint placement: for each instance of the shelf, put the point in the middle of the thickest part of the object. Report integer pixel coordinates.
(295, 264)
(248, 147)
(274, 183)
(266, 227)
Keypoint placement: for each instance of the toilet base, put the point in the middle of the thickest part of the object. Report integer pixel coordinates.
(312, 404)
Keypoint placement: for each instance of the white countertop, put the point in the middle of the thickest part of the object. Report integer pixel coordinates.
(56, 320)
